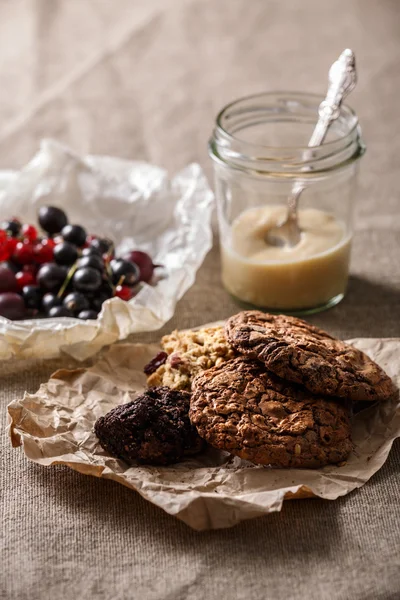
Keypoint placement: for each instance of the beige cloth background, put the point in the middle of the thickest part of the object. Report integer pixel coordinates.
(145, 79)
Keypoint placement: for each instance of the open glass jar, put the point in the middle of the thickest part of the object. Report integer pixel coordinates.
(259, 149)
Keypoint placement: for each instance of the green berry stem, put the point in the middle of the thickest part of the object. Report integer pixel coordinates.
(68, 278)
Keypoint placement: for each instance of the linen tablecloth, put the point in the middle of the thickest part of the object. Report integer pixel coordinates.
(145, 80)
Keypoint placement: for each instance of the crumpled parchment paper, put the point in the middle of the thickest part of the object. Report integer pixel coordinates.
(136, 205)
(212, 490)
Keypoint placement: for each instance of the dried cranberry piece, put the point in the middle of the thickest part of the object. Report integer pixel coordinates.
(175, 360)
(155, 362)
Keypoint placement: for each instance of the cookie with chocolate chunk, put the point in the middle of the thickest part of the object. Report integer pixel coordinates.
(244, 409)
(153, 429)
(300, 352)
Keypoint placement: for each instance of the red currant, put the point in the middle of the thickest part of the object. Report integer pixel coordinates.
(48, 242)
(25, 278)
(3, 235)
(89, 240)
(124, 292)
(11, 244)
(24, 253)
(30, 269)
(4, 251)
(44, 253)
(29, 232)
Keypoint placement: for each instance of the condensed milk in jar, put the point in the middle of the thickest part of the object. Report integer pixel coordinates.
(258, 149)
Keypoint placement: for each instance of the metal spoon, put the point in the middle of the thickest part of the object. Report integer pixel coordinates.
(342, 80)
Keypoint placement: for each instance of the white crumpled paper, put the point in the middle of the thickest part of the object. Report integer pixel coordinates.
(136, 205)
(212, 490)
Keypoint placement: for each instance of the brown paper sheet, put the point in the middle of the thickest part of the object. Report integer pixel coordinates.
(214, 490)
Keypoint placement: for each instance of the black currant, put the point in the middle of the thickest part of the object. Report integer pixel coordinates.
(91, 251)
(101, 245)
(93, 260)
(13, 227)
(76, 302)
(125, 272)
(97, 301)
(74, 234)
(52, 219)
(50, 301)
(32, 295)
(51, 277)
(87, 279)
(59, 311)
(65, 253)
(87, 314)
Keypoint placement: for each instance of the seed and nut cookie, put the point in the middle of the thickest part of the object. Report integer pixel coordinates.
(295, 350)
(242, 408)
(186, 353)
(153, 429)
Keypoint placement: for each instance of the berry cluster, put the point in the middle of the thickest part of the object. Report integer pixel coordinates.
(65, 273)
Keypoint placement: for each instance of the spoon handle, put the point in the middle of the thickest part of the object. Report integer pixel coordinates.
(342, 80)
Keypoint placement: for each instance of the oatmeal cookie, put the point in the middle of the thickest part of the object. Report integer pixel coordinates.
(242, 408)
(186, 353)
(305, 354)
(153, 429)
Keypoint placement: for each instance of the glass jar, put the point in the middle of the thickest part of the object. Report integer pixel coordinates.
(259, 150)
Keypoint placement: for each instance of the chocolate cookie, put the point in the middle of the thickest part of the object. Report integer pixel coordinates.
(302, 353)
(154, 429)
(242, 408)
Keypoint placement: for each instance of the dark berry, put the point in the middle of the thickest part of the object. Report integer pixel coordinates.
(65, 253)
(98, 300)
(52, 219)
(13, 226)
(106, 289)
(12, 306)
(59, 311)
(87, 314)
(144, 262)
(90, 252)
(87, 279)
(103, 246)
(9, 264)
(76, 302)
(32, 295)
(155, 362)
(93, 260)
(8, 282)
(124, 272)
(49, 301)
(51, 277)
(75, 234)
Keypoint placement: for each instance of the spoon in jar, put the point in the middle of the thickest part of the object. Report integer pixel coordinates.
(342, 80)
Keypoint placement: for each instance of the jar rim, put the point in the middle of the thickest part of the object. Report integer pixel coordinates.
(310, 95)
(238, 152)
